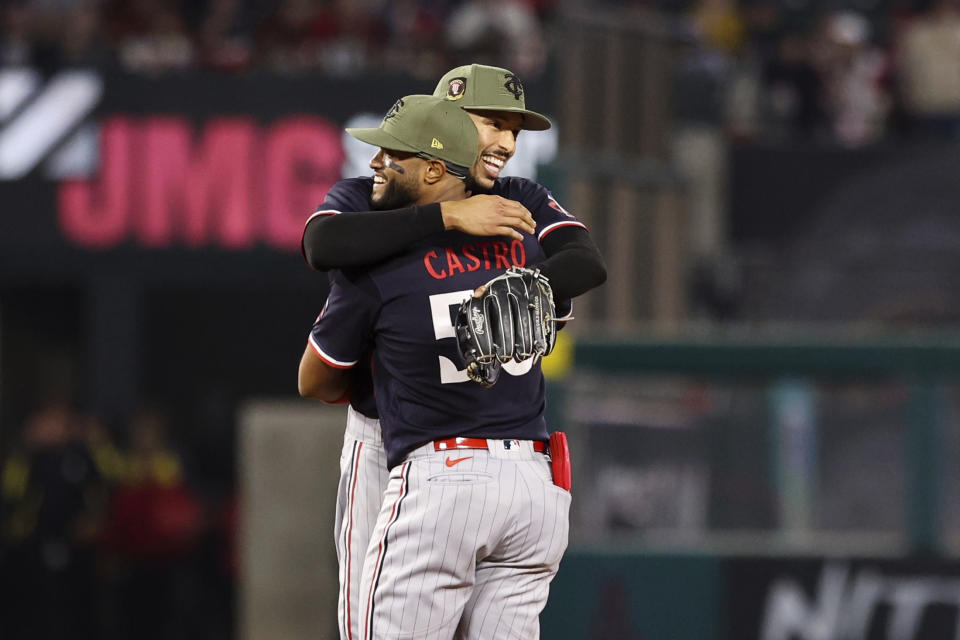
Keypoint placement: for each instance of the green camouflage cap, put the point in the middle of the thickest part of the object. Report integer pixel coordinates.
(479, 87)
(426, 125)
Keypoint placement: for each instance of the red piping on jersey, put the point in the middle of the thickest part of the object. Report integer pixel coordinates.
(328, 360)
(325, 212)
(381, 547)
(353, 493)
(556, 225)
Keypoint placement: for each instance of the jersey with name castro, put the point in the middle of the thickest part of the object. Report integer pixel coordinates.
(406, 309)
(353, 195)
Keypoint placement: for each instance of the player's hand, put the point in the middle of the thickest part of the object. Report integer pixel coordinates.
(486, 215)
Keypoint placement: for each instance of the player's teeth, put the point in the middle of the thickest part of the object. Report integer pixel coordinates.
(494, 160)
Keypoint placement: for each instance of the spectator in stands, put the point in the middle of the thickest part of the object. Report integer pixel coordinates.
(793, 90)
(356, 40)
(498, 32)
(853, 72)
(339, 36)
(155, 525)
(928, 52)
(223, 37)
(415, 37)
(81, 40)
(720, 25)
(150, 35)
(51, 34)
(16, 43)
(51, 506)
(155, 514)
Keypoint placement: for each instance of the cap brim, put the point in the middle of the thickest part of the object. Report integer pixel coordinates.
(380, 138)
(532, 121)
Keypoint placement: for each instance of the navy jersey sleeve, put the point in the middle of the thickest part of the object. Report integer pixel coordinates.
(341, 335)
(573, 262)
(546, 211)
(351, 194)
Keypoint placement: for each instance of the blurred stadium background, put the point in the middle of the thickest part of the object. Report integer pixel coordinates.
(762, 399)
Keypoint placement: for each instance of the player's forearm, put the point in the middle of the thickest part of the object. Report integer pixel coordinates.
(353, 240)
(573, 264)
(315, 379)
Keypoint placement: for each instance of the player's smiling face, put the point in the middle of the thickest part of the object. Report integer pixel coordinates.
(394, 179)
(497, 132)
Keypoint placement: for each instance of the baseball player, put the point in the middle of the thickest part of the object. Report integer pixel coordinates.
(471, 528)
(370, 234)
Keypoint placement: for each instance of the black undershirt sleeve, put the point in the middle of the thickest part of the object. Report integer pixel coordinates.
(359, 239)
(342, 241)
(573, 264)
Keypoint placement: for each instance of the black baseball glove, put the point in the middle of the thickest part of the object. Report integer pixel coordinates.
(513, 319)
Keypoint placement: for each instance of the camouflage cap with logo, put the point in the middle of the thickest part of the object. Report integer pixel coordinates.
(426, 125)
(480, 87)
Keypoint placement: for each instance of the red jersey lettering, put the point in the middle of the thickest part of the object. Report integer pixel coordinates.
(500, 251)
(518, 254)
(453, 262)
(433, 272)
(473, 262)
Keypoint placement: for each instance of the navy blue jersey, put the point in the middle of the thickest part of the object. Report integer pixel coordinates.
(353, 195)
(406, 308)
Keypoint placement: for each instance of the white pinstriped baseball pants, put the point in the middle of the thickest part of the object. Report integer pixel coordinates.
(464, 551)
(363, 479)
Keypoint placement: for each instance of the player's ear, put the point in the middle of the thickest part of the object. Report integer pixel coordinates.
(434, 171)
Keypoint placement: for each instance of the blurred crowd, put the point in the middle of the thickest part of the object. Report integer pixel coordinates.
(851, 74)
(111, 537)
(337, 36)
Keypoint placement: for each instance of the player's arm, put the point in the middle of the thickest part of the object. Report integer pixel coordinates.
(332, 240)
(317, 379)
(337, 341)
(573, 264)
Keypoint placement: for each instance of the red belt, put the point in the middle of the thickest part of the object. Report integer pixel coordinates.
(477, 443)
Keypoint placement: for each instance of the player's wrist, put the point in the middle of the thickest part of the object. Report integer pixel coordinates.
(449, 215)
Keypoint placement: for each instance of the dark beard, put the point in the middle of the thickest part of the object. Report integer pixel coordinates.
(472, 186)
(396, 195)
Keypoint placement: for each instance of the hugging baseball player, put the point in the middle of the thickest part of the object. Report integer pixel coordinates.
(471, 527)
(493, 98)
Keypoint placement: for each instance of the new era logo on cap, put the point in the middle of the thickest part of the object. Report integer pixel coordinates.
(436, 144)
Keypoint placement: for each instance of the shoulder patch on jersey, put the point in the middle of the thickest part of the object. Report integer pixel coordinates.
(553, 204)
